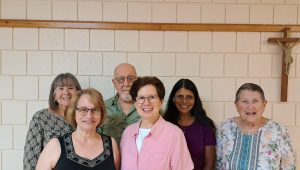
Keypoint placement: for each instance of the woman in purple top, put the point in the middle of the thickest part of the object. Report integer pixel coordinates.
(184, 109)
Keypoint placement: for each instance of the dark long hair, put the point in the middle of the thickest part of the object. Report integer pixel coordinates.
(172, 113)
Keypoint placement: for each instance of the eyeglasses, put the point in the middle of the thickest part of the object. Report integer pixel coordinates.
(84, 111)
(182, 97)
(151, 99)
(121, 80)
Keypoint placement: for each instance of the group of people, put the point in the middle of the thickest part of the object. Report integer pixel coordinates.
(130, 131)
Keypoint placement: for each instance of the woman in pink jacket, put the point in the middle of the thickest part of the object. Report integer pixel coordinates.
(153, 143)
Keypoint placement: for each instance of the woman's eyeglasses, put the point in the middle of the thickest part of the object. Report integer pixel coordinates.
(151, 99)
(84, 111)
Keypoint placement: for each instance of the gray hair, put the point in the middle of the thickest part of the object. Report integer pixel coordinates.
(251, 87)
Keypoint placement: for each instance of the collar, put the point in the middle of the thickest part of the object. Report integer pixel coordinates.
(114, 100)
(155, 130)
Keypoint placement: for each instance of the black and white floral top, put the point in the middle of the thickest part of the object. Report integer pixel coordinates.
(44, 126)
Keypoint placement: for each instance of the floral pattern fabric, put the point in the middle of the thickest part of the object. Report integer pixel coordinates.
(273, 147)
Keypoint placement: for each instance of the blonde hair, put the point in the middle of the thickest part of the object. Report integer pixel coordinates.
(95, 97)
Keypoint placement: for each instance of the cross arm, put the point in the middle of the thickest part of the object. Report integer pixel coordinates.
(283, 40)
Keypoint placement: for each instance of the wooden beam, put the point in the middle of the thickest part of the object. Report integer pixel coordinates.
(146, 26)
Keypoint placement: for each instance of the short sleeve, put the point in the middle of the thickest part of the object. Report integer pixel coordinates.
(287, 161)
(181, 158)
(210, 137)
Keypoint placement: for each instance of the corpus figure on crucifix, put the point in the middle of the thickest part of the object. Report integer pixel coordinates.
(288, 59)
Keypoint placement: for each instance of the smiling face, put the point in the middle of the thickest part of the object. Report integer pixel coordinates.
(87, 120)
(148, 103)
(63, 94)
(184, 101)
(250, 106)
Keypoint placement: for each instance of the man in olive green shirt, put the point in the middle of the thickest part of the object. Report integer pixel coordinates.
(120, 110)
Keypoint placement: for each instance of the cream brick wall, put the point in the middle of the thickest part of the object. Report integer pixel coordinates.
(13, 62)
(89, 11)
(6, 38)
(121, 40)
(64, 10)
(19, 133)
(233, 9)
(13, 9)
(115, 11)
(44, 85)
(235, 65)
(212, 65)
(175, 41)
(51, 39)
(77, 39)
(151, 41)
(139, 12)
(13, 112)
(199, 41)
(36, 59)
(12, 159)
(218, 62)
(248, 42)
(102, 40)
(137, 58)
(25, 38)
(261, 14)
(164, 12)
(188, 13)
(6, 87)
(25, 88)
(285, 14)
(39, 10)
(213, 13)
(90, 63)
(218, 42)
(7, 142)
(271, 88)
(159, 63)
(284, 113)
(64, 61)
(184, 61)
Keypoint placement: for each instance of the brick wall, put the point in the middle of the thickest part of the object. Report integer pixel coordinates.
(218, 62)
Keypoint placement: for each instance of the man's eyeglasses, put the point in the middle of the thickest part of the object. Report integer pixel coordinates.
(84, 111)
(151, 99)
(121, 80)
(182, 97)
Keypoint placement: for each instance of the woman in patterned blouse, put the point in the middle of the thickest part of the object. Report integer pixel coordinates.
(50, 122)
(251, 141)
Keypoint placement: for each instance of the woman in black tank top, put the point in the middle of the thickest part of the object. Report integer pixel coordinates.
(85, 148)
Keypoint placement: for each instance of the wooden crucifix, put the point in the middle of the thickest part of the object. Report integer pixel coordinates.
(286, 43)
